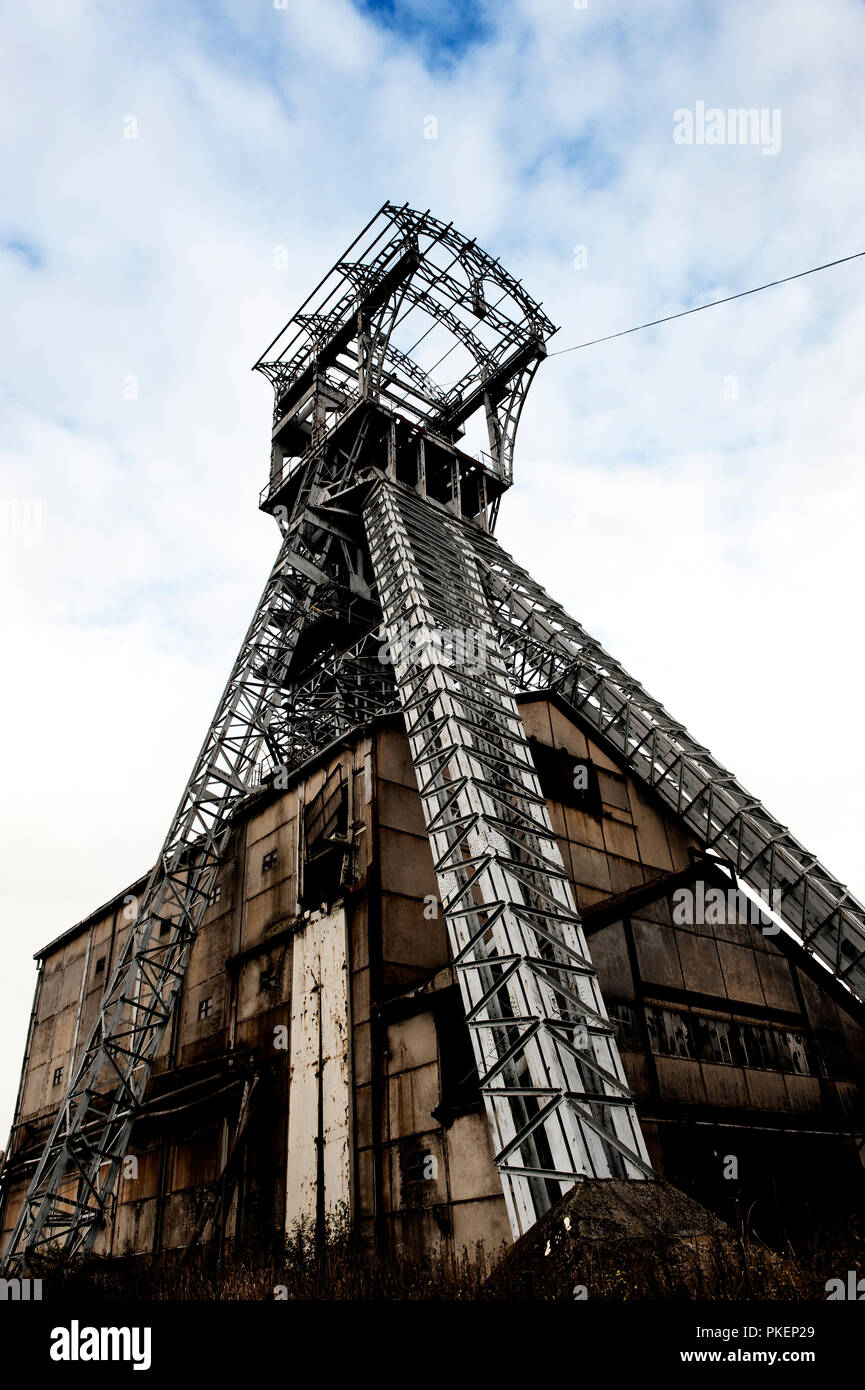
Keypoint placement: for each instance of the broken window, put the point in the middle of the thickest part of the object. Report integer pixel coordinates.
(758, 1047)
(624, 1019)
(716, 1044)
(792, 1048)
(726, 1041)
(100, 966)
(270, 861)
(670, 1033)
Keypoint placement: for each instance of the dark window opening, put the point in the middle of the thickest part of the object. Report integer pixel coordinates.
(205, 1007)
(670, 1033)
(833, 1059)
(565, 778)
(458, 1076)
(100, 966)
(625, 1020)
(325, 829)
(267, 979)
(270, 861)
(700, 1038)
(413, 1166)
(418, 1170)
(58, 1076)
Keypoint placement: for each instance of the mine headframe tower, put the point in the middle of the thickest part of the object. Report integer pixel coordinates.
(389, 592)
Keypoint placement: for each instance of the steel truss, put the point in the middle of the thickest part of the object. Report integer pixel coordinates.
(548, 649)
(410, 295)
(385, 519)
(71, 1193)
(558, 1105)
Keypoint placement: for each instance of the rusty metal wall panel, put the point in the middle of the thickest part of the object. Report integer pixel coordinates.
(320, 1081)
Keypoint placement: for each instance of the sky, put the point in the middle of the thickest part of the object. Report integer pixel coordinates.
(177, 175)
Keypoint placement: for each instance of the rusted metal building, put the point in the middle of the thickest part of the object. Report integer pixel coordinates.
(488, 926)
(319, 1062)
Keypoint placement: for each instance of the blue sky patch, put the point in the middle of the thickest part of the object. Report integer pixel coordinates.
(442, 30)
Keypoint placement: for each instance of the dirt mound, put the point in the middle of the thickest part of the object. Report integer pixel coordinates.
(619, 1239)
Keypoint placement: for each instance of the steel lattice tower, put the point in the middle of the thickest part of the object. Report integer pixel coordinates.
(387, 545)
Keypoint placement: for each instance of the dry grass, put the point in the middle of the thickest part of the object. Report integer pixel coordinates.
(345, 1267)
